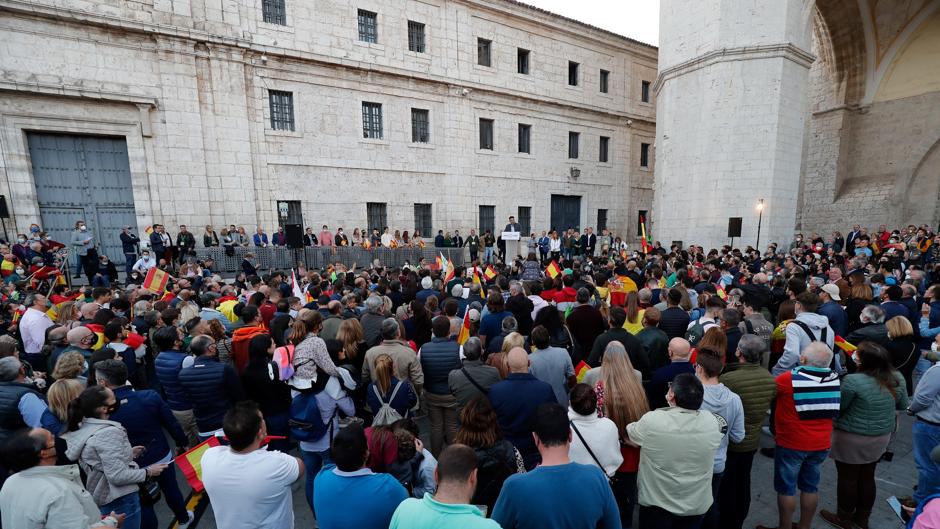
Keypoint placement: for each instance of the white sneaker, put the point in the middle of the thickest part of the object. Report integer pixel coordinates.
(192, 517)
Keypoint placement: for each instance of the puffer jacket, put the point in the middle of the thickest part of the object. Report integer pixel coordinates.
(797, 340)
(439, 357)
(866, 408)
(757, 388)
(103, 451)
(168, 365)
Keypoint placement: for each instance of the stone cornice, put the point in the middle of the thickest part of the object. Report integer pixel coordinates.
(743, 53)
(78, 92)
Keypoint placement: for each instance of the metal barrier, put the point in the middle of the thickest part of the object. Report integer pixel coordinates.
(283, 258)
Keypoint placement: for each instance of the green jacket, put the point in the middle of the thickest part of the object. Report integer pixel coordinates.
(757, 388)
(868, 409)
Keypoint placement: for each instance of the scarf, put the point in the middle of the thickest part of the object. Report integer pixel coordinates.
(815, 393)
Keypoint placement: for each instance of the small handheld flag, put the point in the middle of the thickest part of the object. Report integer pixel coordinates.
(581, 370)
(464, 333)
(156, 280)
(846, 347)
(553, 269)
(489, 273)
(190, 463)
(295, 286)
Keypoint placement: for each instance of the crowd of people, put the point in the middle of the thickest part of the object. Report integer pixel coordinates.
(587, 385)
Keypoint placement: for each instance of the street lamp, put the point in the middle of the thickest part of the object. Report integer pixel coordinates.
(760, 217)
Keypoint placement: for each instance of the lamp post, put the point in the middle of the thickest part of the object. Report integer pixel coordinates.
(760, 217)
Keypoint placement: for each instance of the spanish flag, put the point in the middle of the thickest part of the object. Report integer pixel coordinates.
(449, 271)
(476, 277)
(489, 273)
(553, 269)
(846, 347)
(464, 333)
(646, 242)
(721, 291)
(148, 230)
(581, 370)
(156, 280)
(190, 463)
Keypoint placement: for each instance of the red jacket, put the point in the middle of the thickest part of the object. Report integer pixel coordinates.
(792, 432)
(240, 339)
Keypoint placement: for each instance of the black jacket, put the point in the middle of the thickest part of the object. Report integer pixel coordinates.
(521, 308)
(212, 388)
(674, 321)
(130, 242)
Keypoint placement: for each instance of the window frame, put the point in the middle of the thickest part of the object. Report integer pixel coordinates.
(644, 154)
(371, 118)
(601, 226)
(645, 91)
(574, 73)
(365, 30)
(428, 229)
(603, 149)
(279, 14)
(278, 121)
(491, 137)
(489, 216)
(524, 136)
(484, 49)
(574, 145)
(604, 81)
(417, 42)
(522, 61)
(415, 125)
(524, 218)
(381, 210)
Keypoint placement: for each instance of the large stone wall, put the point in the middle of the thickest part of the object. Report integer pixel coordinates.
(187, 84)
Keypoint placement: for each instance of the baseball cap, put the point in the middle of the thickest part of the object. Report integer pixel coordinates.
(474, 315)
(833, 291)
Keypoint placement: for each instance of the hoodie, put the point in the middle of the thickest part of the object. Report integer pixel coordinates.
(797, 340)
(103, 451)
(726, 405)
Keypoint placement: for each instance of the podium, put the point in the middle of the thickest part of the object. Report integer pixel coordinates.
(511, 238)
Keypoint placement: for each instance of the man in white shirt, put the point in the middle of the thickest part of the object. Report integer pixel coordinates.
(250, 487)
(33, 327)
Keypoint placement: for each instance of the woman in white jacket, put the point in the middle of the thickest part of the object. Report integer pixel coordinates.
(594, 440)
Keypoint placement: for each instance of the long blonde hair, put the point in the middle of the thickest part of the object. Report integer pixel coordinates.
(69, 365)
(65, 314)
(624, 398)
(350, 334)
(511, 340)
(60, 394)
(384, 368)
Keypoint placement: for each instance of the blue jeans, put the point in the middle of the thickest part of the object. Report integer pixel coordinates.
(313, 462)
(487, 254)
(174, 500)
(129, 506)
(925, 437)
(129, 260)
(101, 281)
(797, 468)
(78, 265)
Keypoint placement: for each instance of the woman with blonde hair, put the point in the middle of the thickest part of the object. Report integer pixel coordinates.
(498, 360)
(351, 335)
(621, 398)
(60, 394)
(634, 321)
(386, 389)
(70, 365)
(67, 314)
(902, 348)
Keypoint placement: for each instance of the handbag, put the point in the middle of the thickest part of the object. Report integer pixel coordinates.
(612, 480)
(149, 492)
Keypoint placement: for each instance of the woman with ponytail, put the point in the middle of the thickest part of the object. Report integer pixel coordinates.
(310, 352)
(103, 451)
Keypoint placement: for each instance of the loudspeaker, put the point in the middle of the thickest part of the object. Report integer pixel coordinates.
(295, 235)
(4, 212)
(734, 226)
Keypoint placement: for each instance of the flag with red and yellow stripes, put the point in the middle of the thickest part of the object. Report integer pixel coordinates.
(553, 269)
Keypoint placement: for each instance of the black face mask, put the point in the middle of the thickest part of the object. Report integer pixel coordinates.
(114, 407)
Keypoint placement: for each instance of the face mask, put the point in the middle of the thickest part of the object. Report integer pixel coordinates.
(146, 256)
(293, 313)
(114, 407)
(20, 271)
(82, 228)
(34, 229)
(21, 240)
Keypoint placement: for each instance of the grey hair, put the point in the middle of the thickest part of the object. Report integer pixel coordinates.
(515, 287)
(113, 372)
(141, 306)
(9, 368)
(817, 354)
(200, 344)
(457, 291)
(510, 324)
(472, 348)
(818, 281)
(30, 300)
(475, 288)
(873, 313)
(645, 294)
(374, 304)
(752, 348)
(390, 328)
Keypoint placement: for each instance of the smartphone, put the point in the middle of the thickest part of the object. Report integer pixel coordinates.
(895, 505)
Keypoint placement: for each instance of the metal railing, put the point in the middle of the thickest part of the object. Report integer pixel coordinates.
(283, 258)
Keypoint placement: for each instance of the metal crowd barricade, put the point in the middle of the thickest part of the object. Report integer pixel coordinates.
(283, 258)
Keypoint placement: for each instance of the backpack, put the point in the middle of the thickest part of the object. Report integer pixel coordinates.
(306, 422)
(836, 363)
(696, 332)
(284, 357)
(386, 414)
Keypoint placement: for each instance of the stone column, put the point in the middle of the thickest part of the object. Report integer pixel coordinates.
(731, 105)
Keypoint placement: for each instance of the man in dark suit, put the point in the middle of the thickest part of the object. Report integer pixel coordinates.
(513, 225)
(588, 242)
(341, 239)
(851, 238)
(310, 238)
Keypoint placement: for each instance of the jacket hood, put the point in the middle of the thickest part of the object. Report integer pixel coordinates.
(77, 440)
(813, 320)
(718, 396)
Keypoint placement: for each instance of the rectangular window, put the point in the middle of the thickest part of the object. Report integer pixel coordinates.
(274, 12)
(523, 61)
(420, 125)
(486, 134)
(488, 219)
(376, 216)
(525, 134)
(282, 109)
(645, 92)
(483, 52)
(601, 219)
(604, 154)
(368, 26)
(423, 220)
(644, 155)
(525, 220)
(574, 138)
(605, 81)
(573, 73)
(640, 218)
(372, 120)
(415, 37)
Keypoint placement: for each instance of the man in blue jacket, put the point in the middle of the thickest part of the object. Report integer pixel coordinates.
(211, 386)
(145, 416)
(439, 357)
(515, 401)
(830, 308)
(167, 365)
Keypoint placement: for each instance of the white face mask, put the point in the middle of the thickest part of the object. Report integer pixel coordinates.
(935, 347)
(293, 313)
(82, 228)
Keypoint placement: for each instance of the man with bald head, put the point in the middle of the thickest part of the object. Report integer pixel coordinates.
(803, 431)
(515, 401)
(678, 351)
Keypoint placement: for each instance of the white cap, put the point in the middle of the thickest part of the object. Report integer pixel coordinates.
(833, 291)
(427, 282)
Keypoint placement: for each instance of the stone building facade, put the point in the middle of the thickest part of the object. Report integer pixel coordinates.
(384, 110)
(828, 110)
